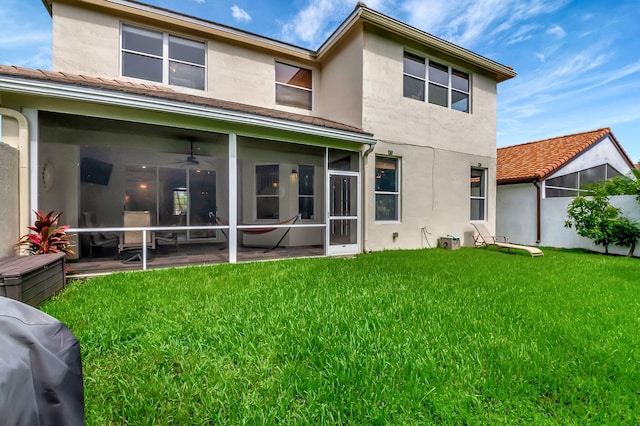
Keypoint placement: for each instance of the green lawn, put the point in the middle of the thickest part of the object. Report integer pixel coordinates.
(405, 337)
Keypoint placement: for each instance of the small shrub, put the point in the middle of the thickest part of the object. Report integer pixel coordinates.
(593, 218)
(47, 236)
(626, 233)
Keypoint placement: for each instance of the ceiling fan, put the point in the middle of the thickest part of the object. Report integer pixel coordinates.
(191, 159)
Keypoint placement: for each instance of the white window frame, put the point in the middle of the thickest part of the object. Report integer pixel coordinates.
(476, 197)
(313, 190)
(259, 196)
(421, 79)
(166, 60)
(427, 81)
(293, 86)
(397, 193)
(579, 191)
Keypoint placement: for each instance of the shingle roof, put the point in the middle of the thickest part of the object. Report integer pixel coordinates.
(164, 92)
(534, 161)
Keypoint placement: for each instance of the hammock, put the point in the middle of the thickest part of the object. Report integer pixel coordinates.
(263, 230)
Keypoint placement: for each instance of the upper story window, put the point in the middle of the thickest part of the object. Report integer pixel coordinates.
(157, 56)
(573, 184)
(293, 86)
(439, 84)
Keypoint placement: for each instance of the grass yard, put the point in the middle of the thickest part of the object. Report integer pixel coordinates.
(404, 337)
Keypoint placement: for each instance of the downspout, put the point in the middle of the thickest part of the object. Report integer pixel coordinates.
(538, 211)
(365, 228)
(24, 214)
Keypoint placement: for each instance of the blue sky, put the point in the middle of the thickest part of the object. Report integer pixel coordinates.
(578, 62)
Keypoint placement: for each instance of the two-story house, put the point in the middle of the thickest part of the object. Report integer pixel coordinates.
(384, 137)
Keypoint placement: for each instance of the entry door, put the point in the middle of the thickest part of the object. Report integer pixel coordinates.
(343, 232)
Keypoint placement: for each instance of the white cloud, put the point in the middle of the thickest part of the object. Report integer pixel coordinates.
(24, 43)
(199, 1)
(309, 24)
(240, 14)
(313, 24)
(38, 58)
(15, 39)
(472, 22)
(557, 31)
(523, 33)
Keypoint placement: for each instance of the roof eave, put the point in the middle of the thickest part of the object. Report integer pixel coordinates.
(624, 154)
(339, 32)
(47, 5)
(528, 179)
(137, 9)
(501, 72)
(68, 91)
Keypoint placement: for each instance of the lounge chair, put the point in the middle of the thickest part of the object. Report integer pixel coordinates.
(485, 239)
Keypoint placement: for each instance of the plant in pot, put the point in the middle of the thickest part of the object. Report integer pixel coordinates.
(46, 236)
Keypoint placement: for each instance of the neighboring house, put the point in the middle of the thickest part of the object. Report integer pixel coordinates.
(382, 138)
(538, 180)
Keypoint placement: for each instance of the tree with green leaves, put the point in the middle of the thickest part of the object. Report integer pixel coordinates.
(594, 218)
(621, 185)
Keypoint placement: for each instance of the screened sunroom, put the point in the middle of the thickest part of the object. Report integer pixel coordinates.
(142, 196)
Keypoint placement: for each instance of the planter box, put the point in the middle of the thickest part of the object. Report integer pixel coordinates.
(32, 279)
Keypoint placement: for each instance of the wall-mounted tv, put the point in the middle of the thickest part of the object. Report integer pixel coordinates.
(95, 171)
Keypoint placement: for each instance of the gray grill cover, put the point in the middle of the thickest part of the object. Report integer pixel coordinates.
(40, 369)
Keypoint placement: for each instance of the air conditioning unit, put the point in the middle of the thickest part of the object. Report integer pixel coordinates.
(449, 242)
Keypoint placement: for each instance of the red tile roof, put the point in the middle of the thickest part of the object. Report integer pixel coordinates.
(165, 92)
(534, 161)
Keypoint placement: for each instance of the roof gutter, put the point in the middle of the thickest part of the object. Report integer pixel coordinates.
(365, 228)
(538, 211)
(107, 97)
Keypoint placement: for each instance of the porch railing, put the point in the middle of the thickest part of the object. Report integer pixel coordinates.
(155, 229)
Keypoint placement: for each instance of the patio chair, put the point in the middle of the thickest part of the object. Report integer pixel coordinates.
(98, 239)
(133, 239)
(169, 236)
(485, 239)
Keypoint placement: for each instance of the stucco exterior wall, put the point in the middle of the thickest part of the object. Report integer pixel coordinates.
(85, 42)
(391, 116)
(516, 212)
(437, 146)
(340, 97)
(63, 195)
(435, 197)
(9, 223)
(88, 43)
(238, 74)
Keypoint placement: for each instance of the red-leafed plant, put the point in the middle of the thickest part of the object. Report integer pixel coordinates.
(47, 236)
